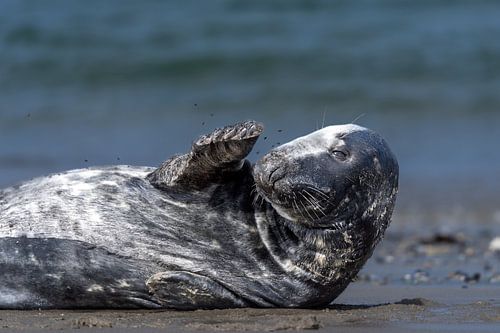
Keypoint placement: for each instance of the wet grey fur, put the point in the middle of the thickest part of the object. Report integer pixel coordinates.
(204, 230)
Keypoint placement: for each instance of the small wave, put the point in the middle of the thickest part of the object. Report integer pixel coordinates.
(50, 70)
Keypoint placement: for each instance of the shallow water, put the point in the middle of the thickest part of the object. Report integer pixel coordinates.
(122, 82)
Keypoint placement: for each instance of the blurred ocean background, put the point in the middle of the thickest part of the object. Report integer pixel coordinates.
(132, 82)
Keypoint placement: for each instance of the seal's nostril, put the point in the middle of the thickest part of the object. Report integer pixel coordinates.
(272, 173)
(276, 175)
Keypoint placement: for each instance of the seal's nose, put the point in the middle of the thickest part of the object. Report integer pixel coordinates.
(269, 169)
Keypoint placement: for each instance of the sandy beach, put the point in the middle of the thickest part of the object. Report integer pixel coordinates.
(361, 307)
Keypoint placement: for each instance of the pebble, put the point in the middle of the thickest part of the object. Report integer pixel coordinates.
(388, 259)
(367, 277)
(495, 245)
(495, 278)
(464, 277)
(419, 276)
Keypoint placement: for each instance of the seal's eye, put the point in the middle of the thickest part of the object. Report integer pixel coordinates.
(340, 155)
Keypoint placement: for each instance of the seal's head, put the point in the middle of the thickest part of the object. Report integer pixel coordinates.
(338, 178)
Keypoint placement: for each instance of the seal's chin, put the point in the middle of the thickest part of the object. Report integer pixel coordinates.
(281, 207)
(284, 212)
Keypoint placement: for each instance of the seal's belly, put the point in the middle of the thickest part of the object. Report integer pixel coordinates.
(72, 205)
(117, 209)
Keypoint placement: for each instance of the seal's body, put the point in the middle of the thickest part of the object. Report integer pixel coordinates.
(204, 230)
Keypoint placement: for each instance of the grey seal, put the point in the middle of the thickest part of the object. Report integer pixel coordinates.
(206, 229)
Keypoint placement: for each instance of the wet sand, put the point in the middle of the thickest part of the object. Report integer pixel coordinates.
(425, 282)
(363, 306)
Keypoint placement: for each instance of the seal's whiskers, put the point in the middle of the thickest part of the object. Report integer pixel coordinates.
(305, 208)
(316, 203)
(321, 193)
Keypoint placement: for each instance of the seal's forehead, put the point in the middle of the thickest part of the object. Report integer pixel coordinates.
(335, 134)
(340, 130)
(316, 142)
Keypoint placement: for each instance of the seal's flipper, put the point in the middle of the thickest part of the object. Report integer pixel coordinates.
(229, 144)
(211, 156)
(188, 291)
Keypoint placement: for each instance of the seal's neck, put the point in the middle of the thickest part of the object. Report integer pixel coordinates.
(324, 255)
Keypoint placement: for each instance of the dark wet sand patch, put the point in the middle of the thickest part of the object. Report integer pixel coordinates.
(362, 307)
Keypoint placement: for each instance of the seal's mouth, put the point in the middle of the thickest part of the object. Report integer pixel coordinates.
(299, 202)
(308, 216)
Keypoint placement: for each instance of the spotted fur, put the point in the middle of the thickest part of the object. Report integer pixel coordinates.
(204, 230)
